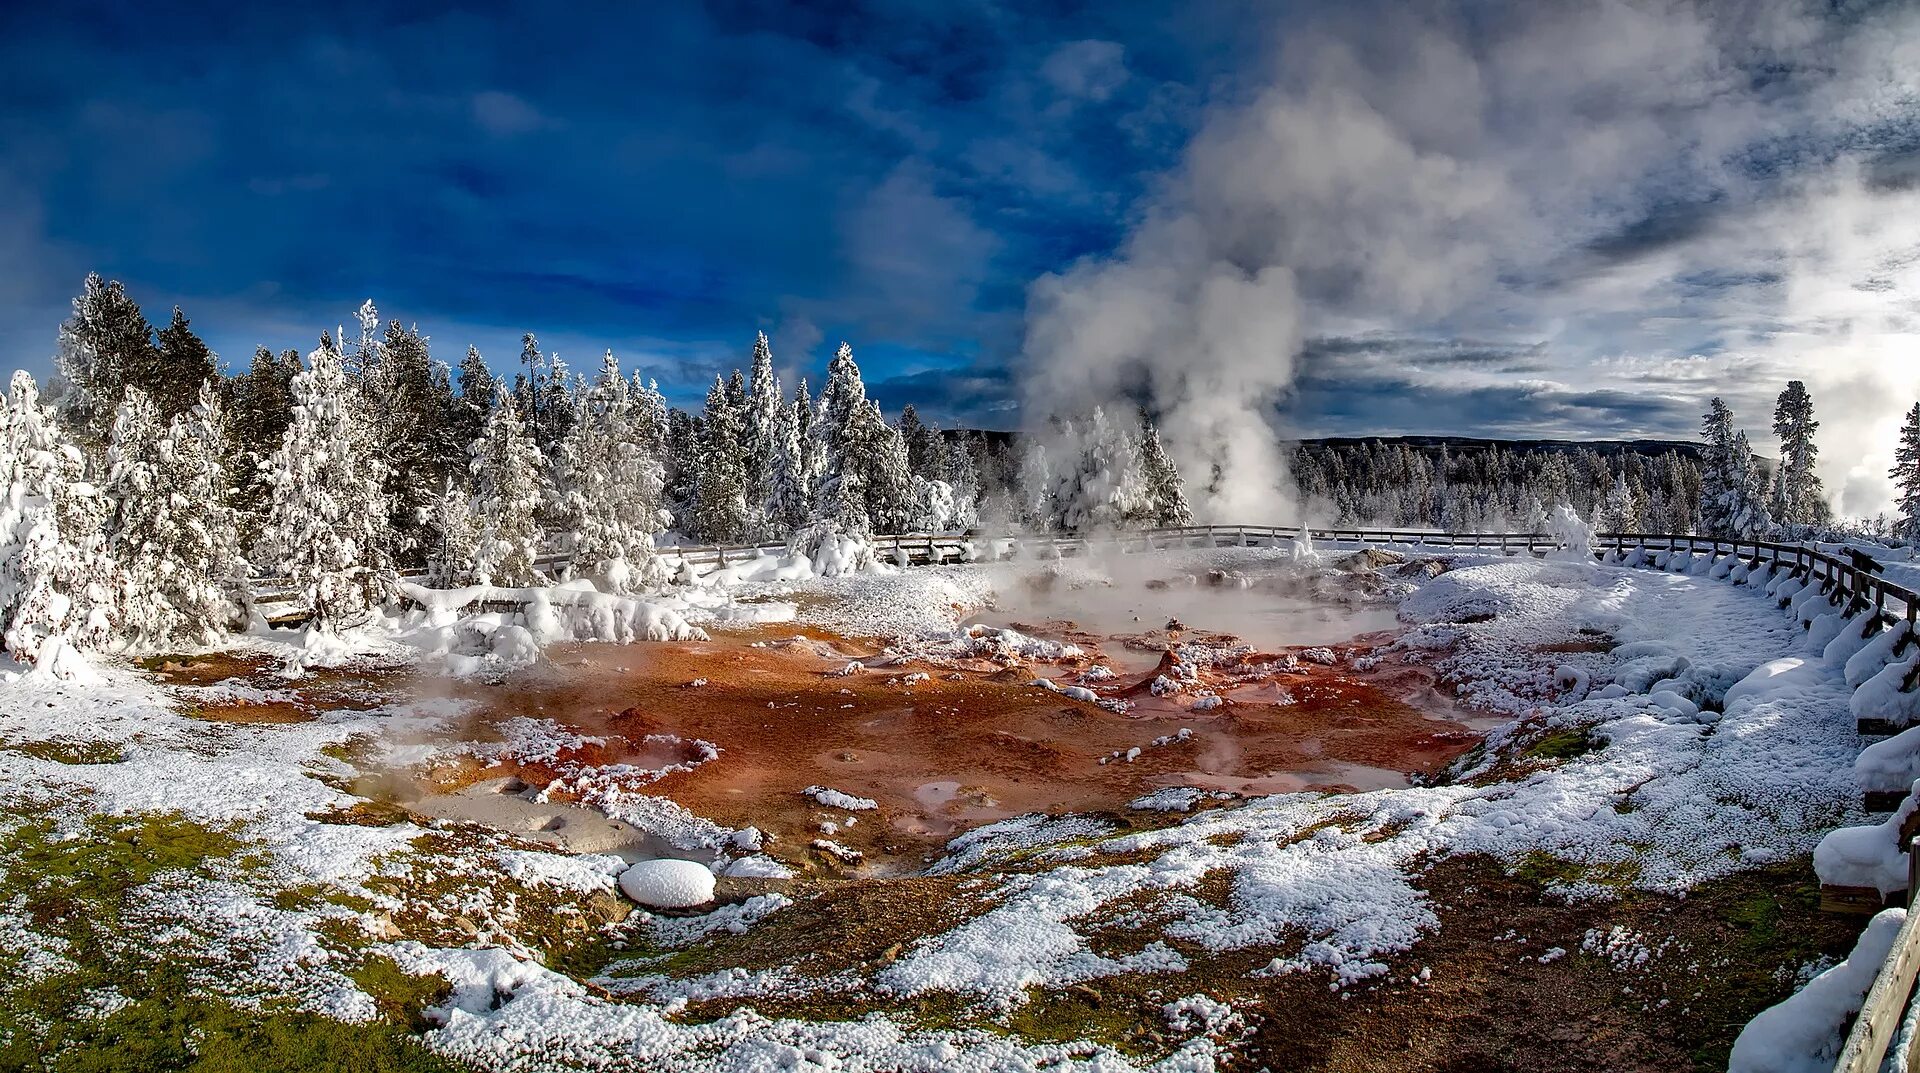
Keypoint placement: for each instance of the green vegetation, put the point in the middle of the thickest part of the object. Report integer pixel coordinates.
(67, 751)
(117, 1002)
(1543, 869)
(1564, 745)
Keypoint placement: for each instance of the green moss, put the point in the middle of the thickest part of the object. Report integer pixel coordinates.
(1546, 870)
(400, 996)
(114, 854)
(173, 1032)
(1564, 745)
(1077, 1014)
(68, 751)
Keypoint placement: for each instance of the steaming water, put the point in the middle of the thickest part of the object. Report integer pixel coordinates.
(1263, 616)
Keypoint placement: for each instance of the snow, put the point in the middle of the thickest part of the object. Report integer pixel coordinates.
(668, 884)
(1326, 887)
(1867, 856)
(1803, 1033)
(835, 799)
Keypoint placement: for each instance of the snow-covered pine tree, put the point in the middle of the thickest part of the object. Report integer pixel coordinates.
(56, 578)
(611, 483)
(556, 404)
(1105, 487)
(683, 463)
(185, 363)
(172, 533)
(1037, 481)
(1906, 479)
(529, 385)
(140, 527)
(1799, 504)
(506, 467)
(327, 517)
(887, 479)
(105, 346)
(1718, 479)
(790, 493)
(450, 559)
(762, 430)
(1166, 495)
(1745, 504)
(1533, 515)
(652, 430)
(1619, 509)
(720, 495)
(478, 388)
(216, 595)
(923, 443)
(417, 440)
(812, 448)
(957, 469)
(363, 362)
(260, 406)
(841, 396)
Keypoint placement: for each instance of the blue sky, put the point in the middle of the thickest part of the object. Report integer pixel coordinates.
(664, 179)
(1567, 219)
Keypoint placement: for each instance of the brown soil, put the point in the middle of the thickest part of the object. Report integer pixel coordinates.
(969, 745)
(1492, 1005)
(278, 711)
(1489, 1004)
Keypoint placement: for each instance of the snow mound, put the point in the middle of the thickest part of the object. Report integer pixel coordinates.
(668, 884)
(835, 799)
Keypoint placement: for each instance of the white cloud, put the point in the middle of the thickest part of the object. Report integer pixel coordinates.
(1642, 190)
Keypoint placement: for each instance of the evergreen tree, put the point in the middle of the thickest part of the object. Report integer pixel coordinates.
(172, 534)
(506, 466)
(1165, 493)
(185, 365)
(260, 407)
(1799, 503)
(653, 432)
(1906, 479)
(683, 469)
(958, 471)
(56, 579)
(328, 515)
(923, 443)
(1618, 511)
(764, 420)
(1744, 505)
(1718, 478)
(451, 558)
(863, 483)
(720, 496)
(611, 485)
(478, 388)
(1105, 486)
(106, 346)
(409, 404)
(789, 500)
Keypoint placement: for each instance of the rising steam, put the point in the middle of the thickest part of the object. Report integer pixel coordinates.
(1609, 183)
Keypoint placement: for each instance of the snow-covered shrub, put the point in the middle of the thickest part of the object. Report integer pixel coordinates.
(832, 550)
